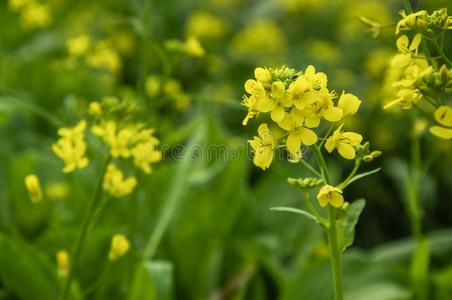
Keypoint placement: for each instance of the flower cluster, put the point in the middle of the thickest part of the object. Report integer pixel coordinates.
(125, 139)
(169, 88)
(71, 147)
(416, 79)
(33, 14)
(297, 102)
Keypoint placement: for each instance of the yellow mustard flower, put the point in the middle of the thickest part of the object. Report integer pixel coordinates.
(298, 132)
(193, 47)
(263, 147)
(71, 147)
(35, 15)
(34, 188)
(57, 190)
(330, 195)
(146, 153)
(78, 45)
(95, 109)
(408, 21)
(205, 25)
(443, 115)
(407, 49)
(344, 142)
(63, 263)
(104, 56)
(119, 246)
(406, 98)
(115, 184)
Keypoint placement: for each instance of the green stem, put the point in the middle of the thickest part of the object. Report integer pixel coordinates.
(332, 232)
(344, 184)
(82, 233)
(441, 52)
(335, 253)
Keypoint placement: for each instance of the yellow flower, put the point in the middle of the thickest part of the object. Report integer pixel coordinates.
(104, 57)
(325, 107)
(406, 98)
(18, 4)
(344, 142)
(34, 188)
(118, 140)
(146, 153)
(407, 50)
(119, 246)
(263, 146)
(79, 45)
(349, 104)
(298, 132)
(443, 115)
(57, 190)
(63, 263)
(115, 184)
(330, 195)
(35, 15)
(95, 109)
(204, 25)
(193, 47)
(71, 147)
(153, 84)
(408, 21)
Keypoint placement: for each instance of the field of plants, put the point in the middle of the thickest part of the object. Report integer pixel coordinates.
(226, 150)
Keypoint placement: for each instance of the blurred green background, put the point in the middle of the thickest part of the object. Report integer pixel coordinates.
(221, 240)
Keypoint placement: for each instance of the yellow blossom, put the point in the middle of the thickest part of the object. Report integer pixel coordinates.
(115, 184)
(71, 147)
(406, 98)
(298, 132)
(407, 49)
(63, 263)
(263, 147)
(205, 25)
(119, 246)
(153, 84)
(330, 195)
(78, 45)
(443, 115)
(104, 57)
(34, 188)
(95, 109)
(35, 15)
(344, 142)
(408, 21)
(146, 153)
(18, 4)
(193, 47)
(57, 190)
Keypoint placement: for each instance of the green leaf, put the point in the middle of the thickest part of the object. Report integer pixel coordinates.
(153, 281)
(25, 271)
(350, 222)
(297, 211)
(420, 267)
(380, 291)
(362, 175)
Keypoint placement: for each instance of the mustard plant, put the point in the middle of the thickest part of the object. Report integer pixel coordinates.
(295, 106)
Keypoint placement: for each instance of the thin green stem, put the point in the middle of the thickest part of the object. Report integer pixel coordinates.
(326, 136)
(332, 232)
(441, 52)
(82, 233)
(335, 253)
(344, 184)
(310, 206)
(310, 168)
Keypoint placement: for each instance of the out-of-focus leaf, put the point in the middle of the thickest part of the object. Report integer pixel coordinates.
(154, 281)
(351, 220)
(420, 267)
(25, 272)
(297, 211)
(380, 291)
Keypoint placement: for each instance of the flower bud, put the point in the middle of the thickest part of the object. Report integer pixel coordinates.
(119, 246)
(63, 263)
(34, 188)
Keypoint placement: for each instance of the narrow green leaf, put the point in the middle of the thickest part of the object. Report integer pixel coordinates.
(153, 281)
(350, 222)
(297, 211)
(362, 175)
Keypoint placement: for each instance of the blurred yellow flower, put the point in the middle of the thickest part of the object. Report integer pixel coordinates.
(63, 263)
(95, 109)
(78, 45)
(18, 4)
(330, 195)
(115, 184)
(104, 57)
(119, 246)
(205, 25)
(263, 147)
(71, 147)
(408, 21)
(35, 15)
(443, 115)
(344, 142)
(193, 47)
(57, 190)
(34, 188)
(153, 84)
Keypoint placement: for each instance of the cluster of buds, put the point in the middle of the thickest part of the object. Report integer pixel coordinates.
(305, 183)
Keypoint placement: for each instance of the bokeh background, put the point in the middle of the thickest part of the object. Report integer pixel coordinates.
(184, 63)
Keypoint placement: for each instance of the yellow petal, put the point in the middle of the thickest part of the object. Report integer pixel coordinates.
(262, 75)
(293, 144)
(312, 121)
(265, 104)
(337, 200)
(402, 43)
(332, 114)
(416, 41)
(330, 144)
(278, 114)
(323, 201)
(353, 138)
(349, 104)
(441, 132)
(278, 89)
(346, 151)
(443, 115)
(308, 137)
